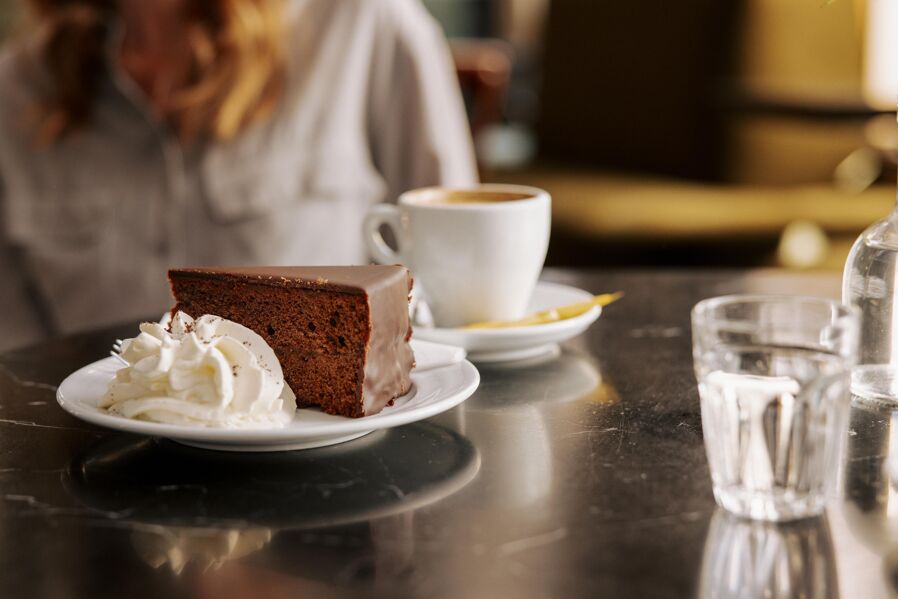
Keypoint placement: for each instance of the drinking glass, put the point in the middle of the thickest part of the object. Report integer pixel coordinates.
(773, 375)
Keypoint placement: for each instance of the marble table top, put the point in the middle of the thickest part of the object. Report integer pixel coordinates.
(581, 476)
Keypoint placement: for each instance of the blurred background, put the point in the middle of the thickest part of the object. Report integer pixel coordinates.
(689, 134)
(703, 133)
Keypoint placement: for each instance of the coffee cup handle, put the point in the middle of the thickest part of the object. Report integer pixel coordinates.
(382, 214)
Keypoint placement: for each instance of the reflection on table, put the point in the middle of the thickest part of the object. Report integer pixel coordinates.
(196, 510)
(745, 559)
(506, 417)
(870, 509)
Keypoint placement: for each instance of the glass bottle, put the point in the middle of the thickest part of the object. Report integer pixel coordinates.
(870, 283)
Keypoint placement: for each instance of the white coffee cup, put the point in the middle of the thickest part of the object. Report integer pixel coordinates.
(475, 253)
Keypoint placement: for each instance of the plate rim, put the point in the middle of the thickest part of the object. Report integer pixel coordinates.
(469, 381)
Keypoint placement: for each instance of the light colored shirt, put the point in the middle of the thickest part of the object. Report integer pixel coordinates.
(91, 224)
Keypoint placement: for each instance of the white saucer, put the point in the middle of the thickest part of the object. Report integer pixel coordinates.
(521, 343)
(434, 390)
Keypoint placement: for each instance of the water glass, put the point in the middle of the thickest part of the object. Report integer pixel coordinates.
(773, 375)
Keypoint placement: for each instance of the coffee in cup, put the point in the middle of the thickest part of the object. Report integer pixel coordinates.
(463, 196)
(476, 253)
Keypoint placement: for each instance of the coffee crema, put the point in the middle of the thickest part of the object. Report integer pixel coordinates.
(444, 196)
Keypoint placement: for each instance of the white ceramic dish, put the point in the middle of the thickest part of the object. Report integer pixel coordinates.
(504, 345)
(435, 389)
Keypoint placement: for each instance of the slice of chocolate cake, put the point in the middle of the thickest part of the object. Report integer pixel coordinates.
(341, 333)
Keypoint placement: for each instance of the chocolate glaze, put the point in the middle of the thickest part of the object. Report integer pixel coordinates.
(389, 342)
(389, 358)
(347, 279)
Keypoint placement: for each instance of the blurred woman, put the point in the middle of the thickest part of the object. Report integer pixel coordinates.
(139, 135)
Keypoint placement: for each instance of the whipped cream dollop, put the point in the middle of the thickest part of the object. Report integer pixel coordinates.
(209, 372)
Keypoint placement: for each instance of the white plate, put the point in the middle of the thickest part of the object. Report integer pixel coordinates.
(503, 345)
(434, 390)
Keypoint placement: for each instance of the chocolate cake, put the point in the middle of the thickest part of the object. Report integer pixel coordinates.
(341, 333)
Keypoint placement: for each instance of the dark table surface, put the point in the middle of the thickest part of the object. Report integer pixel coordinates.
(583, 476)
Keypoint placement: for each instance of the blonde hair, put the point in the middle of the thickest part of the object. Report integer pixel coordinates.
(236, 71)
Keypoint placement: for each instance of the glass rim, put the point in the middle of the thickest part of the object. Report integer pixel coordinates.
(845, 315)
